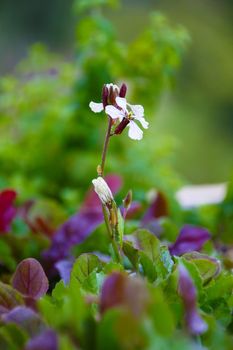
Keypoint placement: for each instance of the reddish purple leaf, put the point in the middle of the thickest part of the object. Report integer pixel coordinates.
(30, 279)
(47, 340)
(191, 238)
(157, 209)
(26, 318)
(194, 323)
(7, 209)
(120, 290)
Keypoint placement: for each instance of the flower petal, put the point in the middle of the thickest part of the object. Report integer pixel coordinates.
(135, 133)
(96, 107)
(137, 110)
(121, 102)
(144, 123)
(114, 113)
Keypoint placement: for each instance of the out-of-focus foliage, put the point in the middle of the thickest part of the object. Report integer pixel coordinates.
(50, 139)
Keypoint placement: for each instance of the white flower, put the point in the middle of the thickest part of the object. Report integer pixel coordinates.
(99, 107)
(103, 191)
(131, 113)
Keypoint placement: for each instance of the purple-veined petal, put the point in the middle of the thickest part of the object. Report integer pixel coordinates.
(191, 238)
(121, 102)
(96, 107)
(114, 113)
(135, 133)
(137, 110)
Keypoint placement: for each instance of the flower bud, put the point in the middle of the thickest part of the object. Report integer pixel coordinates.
(103, 191)
(105, 96)
(119, 129)
(123, 90)
(128, 200)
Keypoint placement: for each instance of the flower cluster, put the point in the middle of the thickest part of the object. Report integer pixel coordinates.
(120, 111)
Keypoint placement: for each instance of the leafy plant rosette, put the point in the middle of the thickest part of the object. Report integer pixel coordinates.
(118, 277)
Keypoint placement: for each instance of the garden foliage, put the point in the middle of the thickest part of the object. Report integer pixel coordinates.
(62, 284)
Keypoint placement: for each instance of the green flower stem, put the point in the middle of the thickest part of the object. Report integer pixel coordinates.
(117, 255)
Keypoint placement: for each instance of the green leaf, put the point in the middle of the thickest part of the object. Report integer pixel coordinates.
(208, 267)
(6, 257)
(131, 253)
(161, 314)
(9, 297)
(148, 243)
(148, 266)
(164, 263)
(85, 271)
(222, 287)
(12, 337)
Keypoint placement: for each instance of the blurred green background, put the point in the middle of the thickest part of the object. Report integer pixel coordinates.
(194, 118)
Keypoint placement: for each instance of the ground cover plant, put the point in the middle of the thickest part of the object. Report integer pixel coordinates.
(130, 268)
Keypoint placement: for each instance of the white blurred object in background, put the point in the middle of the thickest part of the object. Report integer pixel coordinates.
(196, 195)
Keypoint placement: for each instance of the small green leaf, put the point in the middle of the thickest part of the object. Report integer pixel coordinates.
(148, 243)
(148, 266)
(84, 271)
(131, 253)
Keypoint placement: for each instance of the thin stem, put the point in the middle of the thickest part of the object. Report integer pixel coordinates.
(106, 142)
(111, 235)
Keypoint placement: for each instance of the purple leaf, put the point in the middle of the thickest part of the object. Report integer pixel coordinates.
(191, 238)
(120, 290)
(26, 318)
(7, 209)
(157, 209)
(77, 228)
(47, 341)
(64, 268)
(29, 279)
(194, 323)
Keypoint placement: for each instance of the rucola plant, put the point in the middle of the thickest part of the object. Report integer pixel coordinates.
(120, 115)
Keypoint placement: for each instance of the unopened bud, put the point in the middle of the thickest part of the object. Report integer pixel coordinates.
(99, 170)
(121, 126)
(128, 200)
(103, 191)
(123, 90)
(105, 96)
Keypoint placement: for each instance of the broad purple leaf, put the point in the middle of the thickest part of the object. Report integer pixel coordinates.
(26, 318)
(120, 290)
(191, 238)
(64, 268)
(47, 340)
(194, 323)
(77, 228)
(9, 298)
(157, 209)
(29, 279)
(7, 209)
